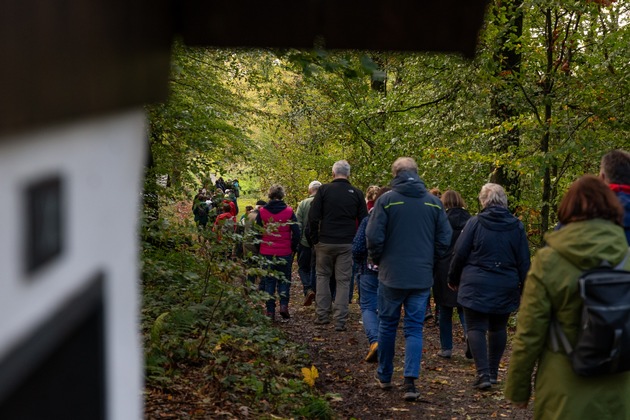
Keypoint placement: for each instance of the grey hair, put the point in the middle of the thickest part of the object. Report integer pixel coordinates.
(276, 192)
(341, 167)
(493, 195)
(405, 164)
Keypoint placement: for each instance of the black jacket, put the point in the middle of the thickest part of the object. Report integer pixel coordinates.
(336, 212)
(443, 295)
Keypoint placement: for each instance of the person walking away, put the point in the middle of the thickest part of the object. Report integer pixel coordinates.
(201, 209)
(251, 243)
(336, 211)
(370, 196)
(488, 268)
(305, 254)
(407, 229)
(278, 243)
(225, 222)
(445, 298)
(368, 283)
(220, 185)
(615, 171)
(591, 217)
(429, 313)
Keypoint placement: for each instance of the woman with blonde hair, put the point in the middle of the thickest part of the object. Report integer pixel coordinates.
(489, 265)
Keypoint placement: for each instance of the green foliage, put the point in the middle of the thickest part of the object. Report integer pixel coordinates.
(316, 408)
(200, 312)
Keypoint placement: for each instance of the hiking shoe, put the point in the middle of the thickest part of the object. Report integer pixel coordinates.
(309, 298)
(494, 377)
(411, 393)
(340, 327)
(284, 312)
(482, 382)
(270, 315)
(381, 384)
(319, 321)
(372, 356)
(445, 353)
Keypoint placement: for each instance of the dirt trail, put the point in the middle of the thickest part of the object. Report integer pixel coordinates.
(445, 385)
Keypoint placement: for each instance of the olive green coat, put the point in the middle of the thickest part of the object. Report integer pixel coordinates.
(551, 288)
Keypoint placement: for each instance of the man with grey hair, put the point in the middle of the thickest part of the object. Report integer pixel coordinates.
(305, 255)
(408, 228)
(335, 213)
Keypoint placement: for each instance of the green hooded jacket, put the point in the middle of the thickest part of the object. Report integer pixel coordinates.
(551, 288)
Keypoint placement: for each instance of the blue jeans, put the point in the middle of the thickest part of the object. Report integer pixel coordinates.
(487, 354)
(390, 303)
(446, 325)
(283, 281)
(368, 295)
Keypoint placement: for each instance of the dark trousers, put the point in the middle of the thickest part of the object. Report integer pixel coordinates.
(487, 354)
(306, 267)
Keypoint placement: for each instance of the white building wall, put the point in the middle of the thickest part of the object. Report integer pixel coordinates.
(100, 162)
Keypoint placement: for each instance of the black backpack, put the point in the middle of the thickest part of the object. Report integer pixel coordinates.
(603, 344)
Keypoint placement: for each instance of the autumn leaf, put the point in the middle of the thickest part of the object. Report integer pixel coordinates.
(310, 375)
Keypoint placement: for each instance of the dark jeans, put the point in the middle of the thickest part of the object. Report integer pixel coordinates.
(488, 354)
(282, 281)
(446, 325)
(306, 267)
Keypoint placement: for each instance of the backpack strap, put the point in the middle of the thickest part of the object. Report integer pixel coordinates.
(623, 262)
(555, 333)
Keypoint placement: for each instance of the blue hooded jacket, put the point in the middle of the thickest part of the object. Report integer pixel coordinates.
(407, 228)
(490, 262)
(624, 198)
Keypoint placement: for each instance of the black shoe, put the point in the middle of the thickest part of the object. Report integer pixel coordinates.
(411, 393)
(340, 327)
(494, 377)
(319, 321)
(482, 382)
(284, 312)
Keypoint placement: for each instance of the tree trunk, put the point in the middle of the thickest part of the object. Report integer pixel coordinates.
(508, 58)
(546, 138)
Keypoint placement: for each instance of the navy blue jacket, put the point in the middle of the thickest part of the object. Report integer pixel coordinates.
(624, 198)
(490, 262)
(406, 230)
(443, 295)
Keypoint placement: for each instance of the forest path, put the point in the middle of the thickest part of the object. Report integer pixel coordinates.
(445, 385)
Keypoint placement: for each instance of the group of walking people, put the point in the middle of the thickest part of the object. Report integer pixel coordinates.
(403, 242)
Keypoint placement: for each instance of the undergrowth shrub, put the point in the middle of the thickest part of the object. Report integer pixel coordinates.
(201, 312)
